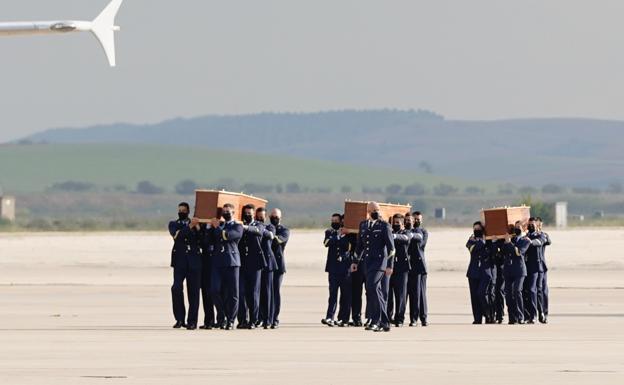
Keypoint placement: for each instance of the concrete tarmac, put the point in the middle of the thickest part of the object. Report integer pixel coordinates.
(96, 309)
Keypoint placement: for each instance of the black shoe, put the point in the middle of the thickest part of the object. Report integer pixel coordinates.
(476, 322)
(191, 327)
(341, 324)
(511, 322)
(424, 323)
(412, 324)
(229, 326)
(327, 321)
(521, 322)
(399, 324)
(179, 324)
(543, 319)
(206, 327)
(384, 329)
(499, 321)
(275, 326)
(242, 325)
(374, 328)
(222, 325)
(368, 323)
(531, 321)
(251, 326)
(265, 326)
(358, 323)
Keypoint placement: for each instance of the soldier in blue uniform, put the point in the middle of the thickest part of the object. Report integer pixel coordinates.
(417, 279)
(398, 281)
(267, 303)
(278, 245)
(226, 263)
(514, 252)
(478, 252)
(253, 261)
(535, 269)
(542, 279)
(337, 267)
(376, 246)
(207, 250)
(499, 285)
(186, 263)
(357, 283)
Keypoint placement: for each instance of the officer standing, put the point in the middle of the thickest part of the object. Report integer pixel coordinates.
(417, 279)
(186, 263)
(499, 285)
(535, 269)
(542, 279)
(514, 252)
(357, 282)
(207, 249)
(282, 234)
(253, 261)
(226, 262)
(376, 246)
(337, 267)
(477, 248)
(267, 303)
(398, 281)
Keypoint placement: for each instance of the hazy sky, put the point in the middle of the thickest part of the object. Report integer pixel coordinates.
(477, 59)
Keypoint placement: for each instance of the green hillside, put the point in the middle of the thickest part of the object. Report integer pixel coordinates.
(34, 168)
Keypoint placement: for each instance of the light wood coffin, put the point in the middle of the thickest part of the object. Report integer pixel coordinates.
(355, 213)
(209, 203)
(500, 220)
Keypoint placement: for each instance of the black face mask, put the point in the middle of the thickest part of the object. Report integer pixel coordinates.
(417, 224)
(183, 216)
(531, 228)
(408, 226)
(227, 216)
(518, 232)
(275, 221)
(396, 228)
(478, 233)
(374, 215)
(247, 218)
(335, 226)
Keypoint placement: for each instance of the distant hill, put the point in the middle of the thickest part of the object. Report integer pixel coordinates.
(35, 168)
(574, 152)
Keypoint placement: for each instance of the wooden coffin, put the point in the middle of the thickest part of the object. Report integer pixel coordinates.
(500, 220)
(208, 203)
(355, 213)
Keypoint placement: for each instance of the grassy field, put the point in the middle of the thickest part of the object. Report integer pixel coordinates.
(33, 168)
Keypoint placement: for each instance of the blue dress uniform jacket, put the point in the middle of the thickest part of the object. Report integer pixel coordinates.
(338, 253)
(186, 245)
(376, 245)
(226, 239)
(514, 254)
(417, 250)
(250, 247)
(282, 234)
(402, 241)
(478, 252)
(534, 259)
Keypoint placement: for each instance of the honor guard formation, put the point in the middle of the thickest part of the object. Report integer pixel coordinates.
(238, 268)
(388, 260)
(513, 270)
